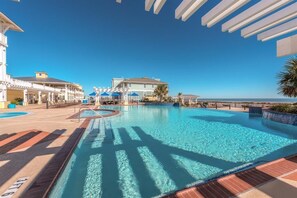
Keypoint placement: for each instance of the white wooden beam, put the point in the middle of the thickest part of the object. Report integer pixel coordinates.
(279, 30)
(183, 7)
(283, 15)
(192, 9)
(158, 5)
(255, 12)
(287, 46)
(149, 4)
(222, 10)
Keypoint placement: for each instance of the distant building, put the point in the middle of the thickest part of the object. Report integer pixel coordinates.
(69, 91)
(144, 87)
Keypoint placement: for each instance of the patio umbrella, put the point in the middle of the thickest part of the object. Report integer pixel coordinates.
(115, 94)
(134, 94)
(93, 94)
(104, 94)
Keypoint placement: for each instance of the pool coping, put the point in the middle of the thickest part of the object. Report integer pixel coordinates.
(49, 175)
(240, 182)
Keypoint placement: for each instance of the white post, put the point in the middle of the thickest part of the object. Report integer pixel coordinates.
(49, 96)
(66, 93)
(53, 97)
(3, 87)
(39, 97)
(25, 100)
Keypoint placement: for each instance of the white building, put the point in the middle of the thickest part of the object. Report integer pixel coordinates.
(20, 87)
(144, 87)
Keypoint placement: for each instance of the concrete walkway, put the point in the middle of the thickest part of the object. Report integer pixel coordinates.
(27, 143)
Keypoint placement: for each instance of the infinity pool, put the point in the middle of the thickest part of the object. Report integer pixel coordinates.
(12, 114)
(150, 151)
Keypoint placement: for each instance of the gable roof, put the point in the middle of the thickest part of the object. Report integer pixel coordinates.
(143, 80)
(12, 25)
(42, 80)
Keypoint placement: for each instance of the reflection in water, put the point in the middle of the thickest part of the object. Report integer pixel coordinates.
(287, 129)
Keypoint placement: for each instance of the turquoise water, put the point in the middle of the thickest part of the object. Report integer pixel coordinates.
(149, 151)
(90, 113)
(11, 114)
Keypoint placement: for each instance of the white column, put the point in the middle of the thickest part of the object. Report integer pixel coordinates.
(25, 99)
(66, 93)
(49, 96)
(39, 97)
(3, 96)
(53, 97)
(3, 87)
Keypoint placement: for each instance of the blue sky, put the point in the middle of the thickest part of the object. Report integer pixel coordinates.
(92, 41)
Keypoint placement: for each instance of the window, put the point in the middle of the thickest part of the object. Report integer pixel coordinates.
(152, 86)
(40, 74)
(129, 84)
(144, 85)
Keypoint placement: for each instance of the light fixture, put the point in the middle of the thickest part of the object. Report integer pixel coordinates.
(192, 9)
(278, 31)
(148, 4)
(253, 13)
(158, 6)
(270, 21)
(222, 10)
(119, 1)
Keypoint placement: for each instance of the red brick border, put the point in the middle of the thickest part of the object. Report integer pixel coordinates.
(51, 172)
(234, 184)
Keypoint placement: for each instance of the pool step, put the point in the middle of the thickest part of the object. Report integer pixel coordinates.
(105, 131)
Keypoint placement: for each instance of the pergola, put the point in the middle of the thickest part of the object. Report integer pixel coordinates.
(268, 19)
(123, 91)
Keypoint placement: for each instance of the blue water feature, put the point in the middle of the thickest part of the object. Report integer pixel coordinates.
(149, 150)
(11, 114)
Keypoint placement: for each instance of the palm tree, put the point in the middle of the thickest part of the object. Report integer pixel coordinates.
(161, 91)
(179, 96)
(288, 79)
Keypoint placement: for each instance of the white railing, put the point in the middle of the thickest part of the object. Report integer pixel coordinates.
(14, 83)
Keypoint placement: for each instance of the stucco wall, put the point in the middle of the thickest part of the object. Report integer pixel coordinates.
(13, 94)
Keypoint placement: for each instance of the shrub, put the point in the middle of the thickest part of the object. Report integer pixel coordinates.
(285, 108)
(14, 102)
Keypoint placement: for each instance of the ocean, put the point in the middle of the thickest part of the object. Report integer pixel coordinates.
(269, 100)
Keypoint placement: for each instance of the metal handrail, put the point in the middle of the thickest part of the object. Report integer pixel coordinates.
(81, 108)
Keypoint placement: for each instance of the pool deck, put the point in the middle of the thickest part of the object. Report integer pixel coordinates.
(28, 143)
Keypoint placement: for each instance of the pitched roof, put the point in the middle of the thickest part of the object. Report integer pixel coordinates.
(42, 80)
(143, 80)
(13, 26)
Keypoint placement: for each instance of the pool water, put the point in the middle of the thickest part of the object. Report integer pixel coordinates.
(12, 114)
(150, 151)
(91, 113)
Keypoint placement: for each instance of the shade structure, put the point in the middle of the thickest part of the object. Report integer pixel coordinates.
(93, 94)
(104, 94)
(115, 94)
(133, 94)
